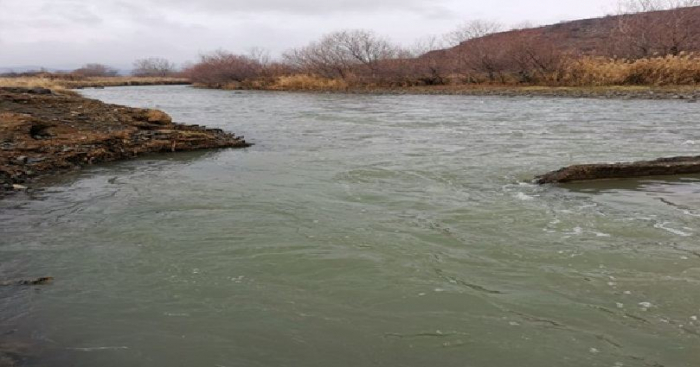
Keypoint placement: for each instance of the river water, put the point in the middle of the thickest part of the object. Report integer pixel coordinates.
(366, 231)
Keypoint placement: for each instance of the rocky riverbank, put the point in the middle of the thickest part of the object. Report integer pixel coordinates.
(687, 94)
(43, 132)
(658, 167)
(680, 92)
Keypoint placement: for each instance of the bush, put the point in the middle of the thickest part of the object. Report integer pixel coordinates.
(95, 70)
(220, 69)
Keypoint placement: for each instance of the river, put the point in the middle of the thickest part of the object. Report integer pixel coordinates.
(365, 230)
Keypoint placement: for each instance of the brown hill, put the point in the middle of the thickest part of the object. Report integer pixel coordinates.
(632, 35)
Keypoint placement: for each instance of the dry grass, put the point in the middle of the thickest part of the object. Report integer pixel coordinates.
(308, 83)
(655, 71)
(59, 84)
(32, 82)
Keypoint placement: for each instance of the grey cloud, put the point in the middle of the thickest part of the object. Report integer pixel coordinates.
(68, 33)
(300, 6)
(72, 11)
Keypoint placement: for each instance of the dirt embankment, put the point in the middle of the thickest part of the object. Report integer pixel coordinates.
(686, 93)
(658, 167)
(43, 132)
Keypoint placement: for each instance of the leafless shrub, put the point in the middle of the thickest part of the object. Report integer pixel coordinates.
(96, 70)
(338, 55)
(656, 27)
(154, 67)
(221, 69)
(471, 30)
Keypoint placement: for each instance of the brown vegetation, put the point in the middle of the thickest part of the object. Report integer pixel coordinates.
(62, 82)
(96, 70)
(154, 67)
(151, 71)
(646, 45)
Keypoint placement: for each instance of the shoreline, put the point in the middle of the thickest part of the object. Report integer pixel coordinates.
(683, 93)
(67, 85)
(44, 132)
(39, 109)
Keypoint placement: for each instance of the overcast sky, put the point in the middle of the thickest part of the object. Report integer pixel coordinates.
(69, 33)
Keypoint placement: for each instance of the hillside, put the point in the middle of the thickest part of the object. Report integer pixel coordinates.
(633, 35)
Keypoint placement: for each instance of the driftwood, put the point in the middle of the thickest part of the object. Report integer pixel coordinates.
(37, 281)
(658, 167)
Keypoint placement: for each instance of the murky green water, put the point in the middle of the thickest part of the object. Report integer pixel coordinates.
(366, 231)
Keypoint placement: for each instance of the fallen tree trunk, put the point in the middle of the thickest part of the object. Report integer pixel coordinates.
(658, 167)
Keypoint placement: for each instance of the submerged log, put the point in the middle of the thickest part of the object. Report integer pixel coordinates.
(658, 167)
(37, 281)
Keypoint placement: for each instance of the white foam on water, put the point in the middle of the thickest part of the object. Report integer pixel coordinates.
(671, 230)
(576, 231)
(97, 349)
(524, 197)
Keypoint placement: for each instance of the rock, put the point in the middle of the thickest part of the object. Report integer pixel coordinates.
(159, 117)
(658, 167)
(35, 160)
(40, 91)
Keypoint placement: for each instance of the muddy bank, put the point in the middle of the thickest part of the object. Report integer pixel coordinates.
(682, 93)
(42, 132)
(122, 82)
(658, 167)
(688, 94)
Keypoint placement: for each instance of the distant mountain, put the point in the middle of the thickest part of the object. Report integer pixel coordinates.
(31, 68)
(27, 68)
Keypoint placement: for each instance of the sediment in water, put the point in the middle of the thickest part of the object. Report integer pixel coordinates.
(658, 167)
(44, 132)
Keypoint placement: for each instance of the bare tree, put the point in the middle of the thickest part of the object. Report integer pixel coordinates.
(649, 27)
(485, 57)
(523, 25)
(427, 44)
(339, 54)
(471, 30)
(261, 55)
(96, 70)
(531, 58)
(154, 67)
(642, 6)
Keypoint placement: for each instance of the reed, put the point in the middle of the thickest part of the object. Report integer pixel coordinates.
(682, 69)
(307, 82)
